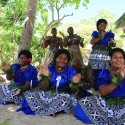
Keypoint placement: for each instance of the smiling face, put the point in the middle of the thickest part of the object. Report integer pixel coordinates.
(23, 60)
(117, 60)
(102, 26)
(62, 61)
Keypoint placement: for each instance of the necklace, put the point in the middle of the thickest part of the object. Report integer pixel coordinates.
(115, 71)
(59, 69)
(23, 67)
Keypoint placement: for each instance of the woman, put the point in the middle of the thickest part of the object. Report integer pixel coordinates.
(21, 75)
(108, 109)
(101, 41)
(54, 93)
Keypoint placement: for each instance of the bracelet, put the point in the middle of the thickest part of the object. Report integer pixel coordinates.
(116, 79)
(44, 78)
(73, 85)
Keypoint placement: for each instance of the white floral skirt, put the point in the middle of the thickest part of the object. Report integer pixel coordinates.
(47, 103)
(7, 95)
(99, 59)
(101, 113)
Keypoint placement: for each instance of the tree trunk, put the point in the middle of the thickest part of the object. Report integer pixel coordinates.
(28, 26)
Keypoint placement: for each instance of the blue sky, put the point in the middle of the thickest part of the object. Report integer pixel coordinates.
(94, 6)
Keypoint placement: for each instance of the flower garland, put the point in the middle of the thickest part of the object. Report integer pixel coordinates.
(98, 47)
(116, 79)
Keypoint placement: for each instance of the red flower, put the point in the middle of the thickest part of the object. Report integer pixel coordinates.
(29, 60)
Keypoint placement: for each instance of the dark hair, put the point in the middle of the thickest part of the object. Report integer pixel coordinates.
(53, 29)
(117, 50)
(27, 53)
(100, 21)
(59, 52)
(69, 28)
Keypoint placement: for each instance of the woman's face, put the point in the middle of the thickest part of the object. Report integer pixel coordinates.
(62, 61)
(117, 60)
(102, 26)
(23, 60)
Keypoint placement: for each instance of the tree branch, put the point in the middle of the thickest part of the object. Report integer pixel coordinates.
(52, 10)
(66, 16)
(54, 22)
(62, 5)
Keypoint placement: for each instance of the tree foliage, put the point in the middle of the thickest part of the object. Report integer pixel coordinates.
(12, 16)
(121, 21)
(13, 13)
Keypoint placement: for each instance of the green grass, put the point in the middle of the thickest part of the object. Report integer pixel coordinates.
(4, 123)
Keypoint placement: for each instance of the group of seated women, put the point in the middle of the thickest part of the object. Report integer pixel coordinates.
(63, 87)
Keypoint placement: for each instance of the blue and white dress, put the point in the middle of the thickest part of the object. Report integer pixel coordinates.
(7, 91)
(103, 111)
(49, 102)
(99, 58)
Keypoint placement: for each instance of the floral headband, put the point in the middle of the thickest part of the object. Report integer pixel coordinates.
(29, 60)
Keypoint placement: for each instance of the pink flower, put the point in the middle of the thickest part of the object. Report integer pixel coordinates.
(29, 60)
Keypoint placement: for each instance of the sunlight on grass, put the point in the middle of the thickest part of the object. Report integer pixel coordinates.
(11, 109)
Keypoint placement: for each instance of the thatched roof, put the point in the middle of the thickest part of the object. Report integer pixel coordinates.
(121, 22)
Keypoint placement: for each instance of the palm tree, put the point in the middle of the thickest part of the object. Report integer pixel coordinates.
(121, 21)
(28, 25)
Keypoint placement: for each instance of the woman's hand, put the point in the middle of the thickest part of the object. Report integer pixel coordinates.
(103, 33)
(75, 83)
(6, 66)
(76, 78)
(112, 44)
(44, 70)
(8, 69)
